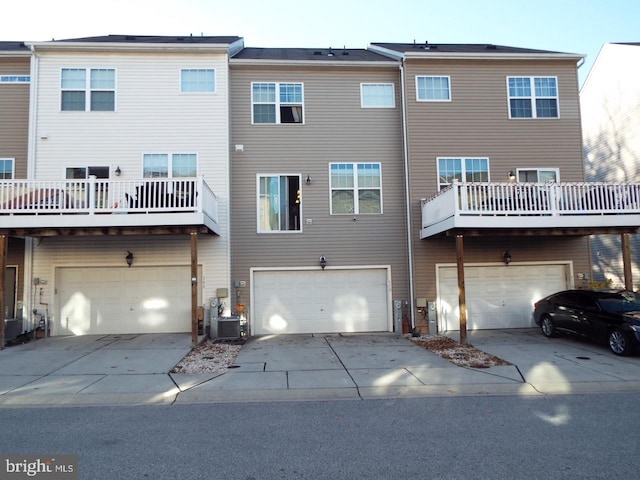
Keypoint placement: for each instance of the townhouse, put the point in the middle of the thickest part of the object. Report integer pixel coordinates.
(126, 206)
(14, 123)
(500, 211)
(318, 206)
(171, 180)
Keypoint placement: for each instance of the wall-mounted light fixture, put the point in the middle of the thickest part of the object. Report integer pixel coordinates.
(511, 175)
(129, 258)
(323, 261)
(118, 171)
(308, 180)
(506, 256)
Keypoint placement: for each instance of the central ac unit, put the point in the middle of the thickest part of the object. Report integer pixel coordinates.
(229, 327)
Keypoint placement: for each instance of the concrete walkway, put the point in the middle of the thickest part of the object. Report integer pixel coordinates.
(133, 369)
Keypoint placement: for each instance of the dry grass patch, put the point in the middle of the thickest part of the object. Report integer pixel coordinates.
(464, 355)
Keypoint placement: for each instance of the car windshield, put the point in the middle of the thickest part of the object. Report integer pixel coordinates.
(618, 304)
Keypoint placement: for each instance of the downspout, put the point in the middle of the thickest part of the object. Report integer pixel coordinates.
(405, 145)
(29, 247)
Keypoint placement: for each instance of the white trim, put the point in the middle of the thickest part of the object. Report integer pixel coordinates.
(203, 92)
(13, 166)
(418, 99)
(533, 97)
(355, 189)
(279, 175)
(88, 90)
(253, 270)
(371, 84)
(277, 104)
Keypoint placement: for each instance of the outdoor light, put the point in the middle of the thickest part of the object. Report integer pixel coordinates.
(506, 256)
(307, 180)
(129, 258)
(511, 175)
(323, 261)
(118, 171)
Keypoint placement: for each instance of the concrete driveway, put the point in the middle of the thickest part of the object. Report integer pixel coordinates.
(134, 369)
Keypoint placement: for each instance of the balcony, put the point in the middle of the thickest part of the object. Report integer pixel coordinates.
(532, 208)
(33, 207)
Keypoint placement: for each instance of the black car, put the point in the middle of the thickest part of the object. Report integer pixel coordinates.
(613, 317)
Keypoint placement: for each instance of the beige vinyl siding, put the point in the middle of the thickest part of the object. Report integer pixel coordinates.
(14, 115)
(476, 124)
(336, 129)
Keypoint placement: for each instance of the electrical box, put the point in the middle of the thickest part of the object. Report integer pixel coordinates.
(222, 292)
(433, 317)
(421, 303)
(397, 315)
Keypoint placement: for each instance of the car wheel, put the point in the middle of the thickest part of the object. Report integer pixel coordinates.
(619, 342)
(547, 327)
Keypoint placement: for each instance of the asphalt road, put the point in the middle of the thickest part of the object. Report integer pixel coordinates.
(556, 437)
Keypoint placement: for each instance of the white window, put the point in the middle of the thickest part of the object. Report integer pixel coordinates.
(279, 202)
(88, 89)
(377, 95)
(356, 188)
(7, 166)
(277, 102)
(197, 80)
(538, 175)
(533, 97)
(164, 165)
(433, 89)
(471, 169)
(15, 78)
(75, 173)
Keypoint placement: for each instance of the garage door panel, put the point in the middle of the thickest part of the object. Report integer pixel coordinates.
(326, 301)
(497, 296)
(114, 300)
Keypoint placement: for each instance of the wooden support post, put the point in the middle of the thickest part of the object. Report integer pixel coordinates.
(4, 242)
(462, 296)
(194, 288)
(626, 261)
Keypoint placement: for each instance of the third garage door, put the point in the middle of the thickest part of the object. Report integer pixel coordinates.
(498, 296)
(321, 301)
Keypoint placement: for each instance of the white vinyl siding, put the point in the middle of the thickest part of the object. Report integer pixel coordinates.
(176, 124)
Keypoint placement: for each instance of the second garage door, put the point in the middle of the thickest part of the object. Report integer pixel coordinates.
(115, 300)
(321, 301)
(497, 296)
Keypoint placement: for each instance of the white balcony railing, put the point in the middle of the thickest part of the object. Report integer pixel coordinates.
(21, 200)
(530, 205)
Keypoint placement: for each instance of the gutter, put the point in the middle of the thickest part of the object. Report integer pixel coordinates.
(407, 189)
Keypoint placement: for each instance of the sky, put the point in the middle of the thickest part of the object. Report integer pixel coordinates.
(571, 26)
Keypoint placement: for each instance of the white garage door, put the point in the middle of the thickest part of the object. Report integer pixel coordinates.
(109, 300)
(329, 301)
(497, 296)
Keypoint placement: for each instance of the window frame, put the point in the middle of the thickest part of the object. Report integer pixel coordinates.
(555, 170)
(15, 79)
(170, 163)
(196, 92)
(355, 189)
(363, 95)
(533, 97)
(298, 201)
(463, 169)
(417, 80)
(12, 172)
(88, 90)
(278, 104)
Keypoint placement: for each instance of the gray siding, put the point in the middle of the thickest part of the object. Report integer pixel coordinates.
(476, 123)
(336, 129)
